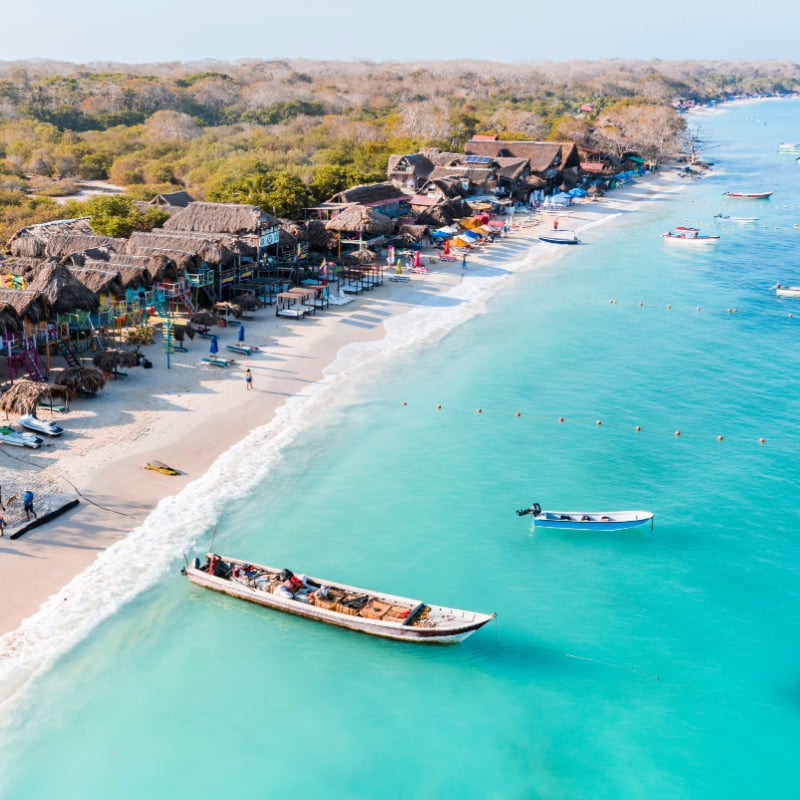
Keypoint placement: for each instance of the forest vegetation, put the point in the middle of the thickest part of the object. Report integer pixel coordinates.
(284, 135)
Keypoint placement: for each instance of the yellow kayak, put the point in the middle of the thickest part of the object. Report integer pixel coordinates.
(157, 466)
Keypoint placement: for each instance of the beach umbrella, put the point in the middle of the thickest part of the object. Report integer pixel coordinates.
(205, 318)
(417, 262)
(213, 347)
(81, 379)
(23, 397)
(240, 334)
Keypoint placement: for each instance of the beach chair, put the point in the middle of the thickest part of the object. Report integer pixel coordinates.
(215, 361)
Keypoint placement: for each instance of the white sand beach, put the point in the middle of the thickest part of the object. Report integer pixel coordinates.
(191, 413)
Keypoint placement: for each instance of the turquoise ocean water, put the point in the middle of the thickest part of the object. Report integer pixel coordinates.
(648, 664)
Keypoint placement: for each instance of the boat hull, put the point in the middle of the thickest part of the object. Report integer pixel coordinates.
(21, 440)
(597, 520)
(788, 291)
(39, 426)
(679, 239)
(749, 196)
(454, 625)
(555, 239)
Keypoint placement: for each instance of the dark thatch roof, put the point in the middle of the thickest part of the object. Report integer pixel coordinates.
(172, 200)
(83, 378)
(31, 241)
(230, 218)
(445, 213)
(370, 194)
(317, 235)
(360, 219)
(100, 281)
(25, 303)
(413, 232)
(63, 291)
(9, 319)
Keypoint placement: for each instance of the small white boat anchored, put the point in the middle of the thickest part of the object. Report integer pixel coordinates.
(729, 218)
(586, 520)
(39, 425)
(362, 610)
(786, 291)
(685, 235)
(789, 148)
(19, 438)
(560, 237)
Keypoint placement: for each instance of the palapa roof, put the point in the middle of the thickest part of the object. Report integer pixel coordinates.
(9, 319)
(65, 244)
(100, 281)
(360, 219)
(183, 247)
(24, 396)
(371, 194)
(317, 235)
(25, 304)
(227, 218)
(445, 213)
(31, 241)
(63, 291)
(476, 175)
(512, 168)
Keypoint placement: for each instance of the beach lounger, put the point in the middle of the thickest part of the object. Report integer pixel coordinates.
(399, 278)
(244, 349)
(217, 362)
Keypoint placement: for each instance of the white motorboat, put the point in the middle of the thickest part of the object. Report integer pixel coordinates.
(786, 291)
(39, 425)
(19, 438)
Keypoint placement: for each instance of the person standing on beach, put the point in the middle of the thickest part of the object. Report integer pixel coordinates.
(555, 224)
(2, 526)
(464, 261)
(27, 502)
(248, 379)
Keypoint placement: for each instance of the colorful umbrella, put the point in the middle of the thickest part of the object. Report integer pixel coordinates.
(213, 347)
(240, 334)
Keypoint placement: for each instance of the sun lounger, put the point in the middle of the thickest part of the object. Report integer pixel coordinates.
(399, 278)
(244, 349)
(217, 362)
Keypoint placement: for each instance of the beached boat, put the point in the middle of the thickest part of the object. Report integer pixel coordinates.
(749, 195)
(39, 425)
(363, 610)
(729, 218)
(19, 438)
(786, 291)
(685, 235)
(560, 237)
(586, 520)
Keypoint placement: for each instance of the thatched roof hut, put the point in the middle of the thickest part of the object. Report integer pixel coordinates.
(318, 236)
(186, 249)
(360, 257)
(360, 219)
(369, 194)
(62, 290)
(25, 304)
(24, 396)
(65, 244)
(413, 232)
(109, 360)
(230, 218)
(171, 201)
(100, 281)
(9, 319)
(32, 240)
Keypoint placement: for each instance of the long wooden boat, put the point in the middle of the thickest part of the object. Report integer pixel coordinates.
(749, 195)
(685, 235)
(363, 610)
(586, 520)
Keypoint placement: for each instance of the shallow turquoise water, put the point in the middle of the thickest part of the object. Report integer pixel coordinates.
(652, 664)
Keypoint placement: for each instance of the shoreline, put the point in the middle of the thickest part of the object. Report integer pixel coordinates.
(191, 415)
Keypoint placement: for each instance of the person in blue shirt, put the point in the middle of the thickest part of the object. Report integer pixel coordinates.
(27, 501)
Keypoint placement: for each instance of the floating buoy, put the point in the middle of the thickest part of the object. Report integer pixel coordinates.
(762, 440)
(668, 306)
(404, 403)
(561, 419)
(517, 414)
(698, 308)
(439, 407)
(719, 438)
(677, 433)
(791, 315)
(599, 422)
(640, 304)
(477, 410)
(637, 428)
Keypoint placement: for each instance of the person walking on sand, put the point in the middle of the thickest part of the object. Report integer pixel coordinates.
(248, 379)
(27, 502)
(555, 224)
(464, 261)
(2, 526)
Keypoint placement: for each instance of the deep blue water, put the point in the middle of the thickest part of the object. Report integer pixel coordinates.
(648, 664)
